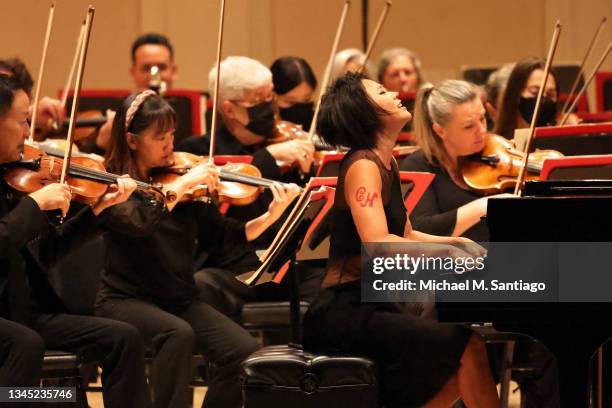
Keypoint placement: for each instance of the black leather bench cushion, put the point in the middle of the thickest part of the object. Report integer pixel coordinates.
(287, 376)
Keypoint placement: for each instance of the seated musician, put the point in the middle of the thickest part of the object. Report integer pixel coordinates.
(494, 92)
(399, 70)
(148, 51)
(520, 96)
(246, 120)
(33, 317)
(449, 126)
(148, 280)
(294, 86)
(422, 362)
(49, 110)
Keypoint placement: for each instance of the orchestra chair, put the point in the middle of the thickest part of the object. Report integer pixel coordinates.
(190, 106)
(578, 168)
(330, 164)
(603, 90)
(574, 140)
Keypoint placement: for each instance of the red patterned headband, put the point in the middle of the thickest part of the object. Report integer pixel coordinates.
(135, 105)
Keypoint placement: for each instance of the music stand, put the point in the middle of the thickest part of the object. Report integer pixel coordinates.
(282, 259)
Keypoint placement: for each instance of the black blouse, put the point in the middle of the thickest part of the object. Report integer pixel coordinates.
(150, 251)
(436, 212)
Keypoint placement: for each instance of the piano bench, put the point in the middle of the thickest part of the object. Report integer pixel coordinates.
(507, 367)
(285, 376)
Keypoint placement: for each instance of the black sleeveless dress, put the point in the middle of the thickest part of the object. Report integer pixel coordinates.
(415, 356)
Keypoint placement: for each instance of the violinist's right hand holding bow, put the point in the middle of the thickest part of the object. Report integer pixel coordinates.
(292, 151)
(53, 196)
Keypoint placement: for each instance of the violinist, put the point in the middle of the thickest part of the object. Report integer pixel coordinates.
(148, 280)
(520, 96)
(449, 126)
(246, 122)
(246, 108)
(33, 317)
(422, 362)
(50, 110)
(294, 85)
(399, 70)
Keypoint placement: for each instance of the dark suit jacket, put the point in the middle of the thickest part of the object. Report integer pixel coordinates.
(28, 245)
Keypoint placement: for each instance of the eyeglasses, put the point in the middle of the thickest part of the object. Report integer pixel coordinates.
(255, 101)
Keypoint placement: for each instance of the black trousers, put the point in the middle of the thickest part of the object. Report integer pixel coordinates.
(117, 346)
(175, 334)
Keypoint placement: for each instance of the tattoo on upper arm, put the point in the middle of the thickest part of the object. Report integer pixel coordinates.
(365, 198)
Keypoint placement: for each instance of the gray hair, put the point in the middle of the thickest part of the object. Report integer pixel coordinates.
(238, 75)
(344, 57)
(497, 82)
(391, 54)
(435, 104)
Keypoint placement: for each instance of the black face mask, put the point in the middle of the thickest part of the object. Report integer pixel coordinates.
(261, 119)
(299, 113)
(548, 110)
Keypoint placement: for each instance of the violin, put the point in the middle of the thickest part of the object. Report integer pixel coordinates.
(240, 183)
(496, 168)
(87, 177)
(86, 127)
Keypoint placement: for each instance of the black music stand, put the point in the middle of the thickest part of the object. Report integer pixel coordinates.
(283, 259)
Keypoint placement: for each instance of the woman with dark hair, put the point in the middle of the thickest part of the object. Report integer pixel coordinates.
(294, 85)
(422, 362)
(519, 98)
(148, 278)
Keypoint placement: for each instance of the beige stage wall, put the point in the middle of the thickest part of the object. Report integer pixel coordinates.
(446, 34)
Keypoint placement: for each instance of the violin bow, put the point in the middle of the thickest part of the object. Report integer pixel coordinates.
(213, 130)
(41, 70)
(581, 70)
(536, 110)
(328, 68)
(381, 20)
(586, 84)
(77, 90)
(75, 59)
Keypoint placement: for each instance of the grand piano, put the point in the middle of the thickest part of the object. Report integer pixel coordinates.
(553, 211)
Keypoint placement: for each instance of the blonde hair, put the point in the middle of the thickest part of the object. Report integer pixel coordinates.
(434, 104)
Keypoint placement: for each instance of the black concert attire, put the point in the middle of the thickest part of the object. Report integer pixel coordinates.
(436, 213)
(416, 356)
(33, 317)
(148, 282)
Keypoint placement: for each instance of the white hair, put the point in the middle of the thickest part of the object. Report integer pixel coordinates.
(238, 75)
(342, 58)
